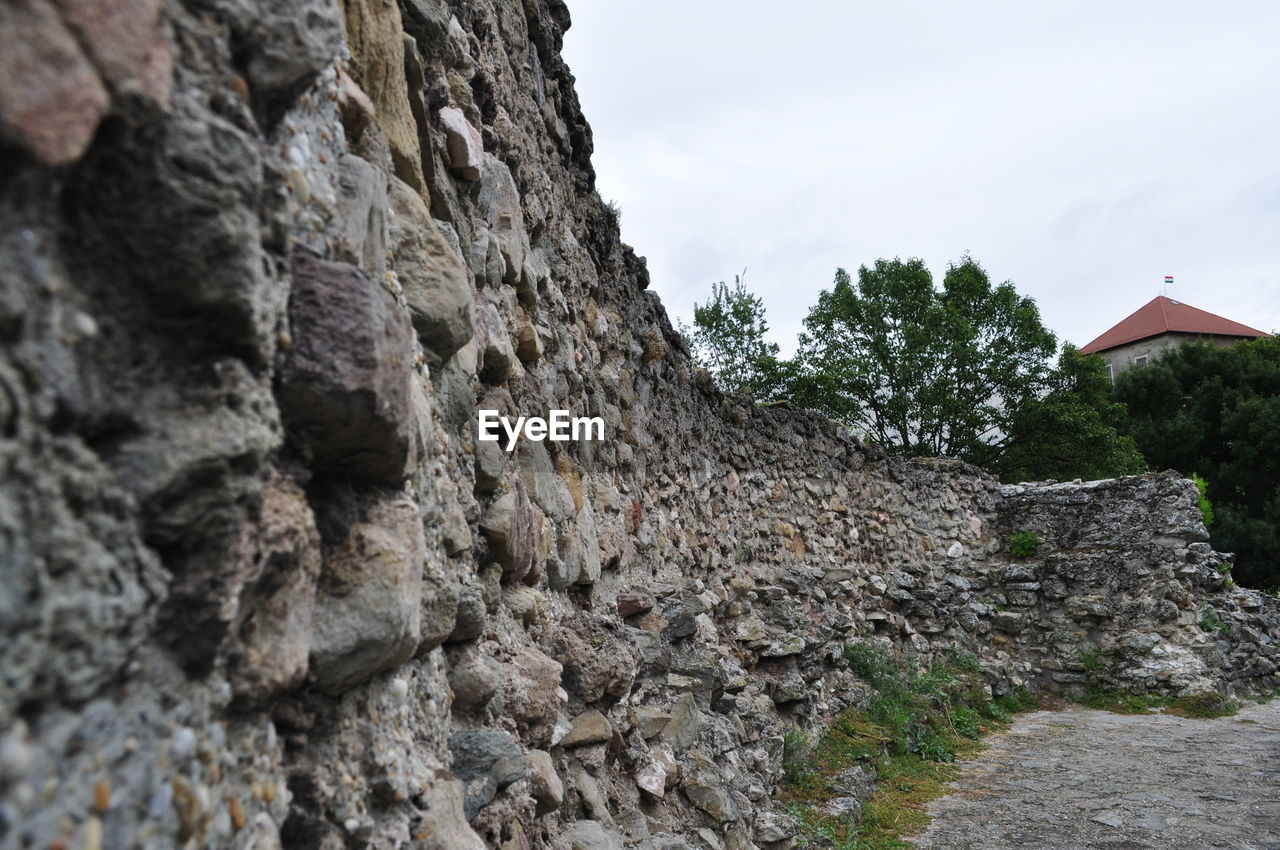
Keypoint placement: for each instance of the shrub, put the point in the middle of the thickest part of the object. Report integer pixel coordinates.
(965, 661)
(1207, 704)
(1206, 507)
(1211, 621)
(1024, 544)
(1091, 659)
(916, 722)
(795, 755)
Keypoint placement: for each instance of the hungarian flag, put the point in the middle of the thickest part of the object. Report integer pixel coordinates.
(1168, 279)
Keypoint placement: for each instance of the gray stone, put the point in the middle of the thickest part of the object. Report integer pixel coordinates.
(496, 354)
(852, 782)
(590, 727)
(434, 278)
(344, 387)
(274, 624)
(651, 721)
(444, 822)
(499, 202)
(368, 612)
(471, 615)
(651, 778)
(440, 595)
(362, 206)
(477, 752)
(588, 835)
(508, 524)
(474, 681)
(546, 487)
(466, 148)
(775, 827)
(545, 784)
(849, 808)
(709, 794)
(603, 666)
(530, 694)
(588, 788)
(681, 730)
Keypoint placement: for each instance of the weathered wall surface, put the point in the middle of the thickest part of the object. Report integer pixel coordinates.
(260, 585)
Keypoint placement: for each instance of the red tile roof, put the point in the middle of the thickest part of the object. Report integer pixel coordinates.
(1164, 315)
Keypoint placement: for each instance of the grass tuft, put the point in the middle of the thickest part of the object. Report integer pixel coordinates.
(915, 725)
(1202, 705)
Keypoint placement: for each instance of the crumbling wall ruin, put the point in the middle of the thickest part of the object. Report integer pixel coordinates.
(260, 584)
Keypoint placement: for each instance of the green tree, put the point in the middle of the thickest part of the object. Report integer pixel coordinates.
(1216, 412)
(925, 371)
(1071, 432)
(728, 340)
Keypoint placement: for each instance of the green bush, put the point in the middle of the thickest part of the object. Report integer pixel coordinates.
(922, 710)
(1206, 507)
(1091, 659)
(1024, 544)
(795, 755)
(1216, 411)
(1207, 704)
(1211, 621)
(916, 722)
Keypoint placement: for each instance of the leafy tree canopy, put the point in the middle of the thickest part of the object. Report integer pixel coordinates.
(1215, 412)
(728, 340)
(1072, 431)
(925, 371)
(965, 370)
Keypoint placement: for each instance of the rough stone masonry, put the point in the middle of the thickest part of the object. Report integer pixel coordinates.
(261, 263)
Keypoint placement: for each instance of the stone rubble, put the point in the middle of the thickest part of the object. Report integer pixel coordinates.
(262, 264)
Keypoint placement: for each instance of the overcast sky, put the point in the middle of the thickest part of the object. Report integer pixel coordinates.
(1082, 150)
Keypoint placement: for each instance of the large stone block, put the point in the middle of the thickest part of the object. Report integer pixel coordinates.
(440, 592)
(434, 278)
(344, 386)
(176, 217)
(368, 611)
(510, 527)
(531, 695)
(285, 42)
(126, 39)
(466, 148)
(362, 207)
(499, 201)
(444, 823)
(272, 633)
(375, 37)
(597, 664)
(51, 98)
(497, 355)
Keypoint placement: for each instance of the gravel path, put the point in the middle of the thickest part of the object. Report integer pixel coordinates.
(1081, 779)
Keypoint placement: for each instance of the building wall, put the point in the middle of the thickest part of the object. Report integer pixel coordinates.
(1123, 357)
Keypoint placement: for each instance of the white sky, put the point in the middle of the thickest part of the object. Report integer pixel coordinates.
(1082, 150)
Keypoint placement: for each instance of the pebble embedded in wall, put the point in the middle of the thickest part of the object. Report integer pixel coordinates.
(559, 427)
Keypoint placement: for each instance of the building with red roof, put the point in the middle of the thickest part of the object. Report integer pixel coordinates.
(1159, 325)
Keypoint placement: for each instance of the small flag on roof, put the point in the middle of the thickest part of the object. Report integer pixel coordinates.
(1168, 279)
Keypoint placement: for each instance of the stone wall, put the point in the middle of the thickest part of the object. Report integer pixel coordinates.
(260, 584)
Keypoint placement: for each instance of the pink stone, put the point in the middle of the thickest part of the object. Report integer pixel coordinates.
(126, 40)
(51, 99)
(634, 602)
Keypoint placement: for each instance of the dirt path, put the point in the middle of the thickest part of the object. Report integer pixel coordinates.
(1077, 778)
